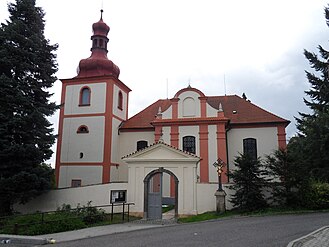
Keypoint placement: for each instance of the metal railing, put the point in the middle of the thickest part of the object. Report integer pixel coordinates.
(108, 210)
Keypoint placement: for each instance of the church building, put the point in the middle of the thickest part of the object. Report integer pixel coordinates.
(171, 148)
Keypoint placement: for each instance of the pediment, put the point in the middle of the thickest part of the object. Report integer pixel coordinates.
(161, 151)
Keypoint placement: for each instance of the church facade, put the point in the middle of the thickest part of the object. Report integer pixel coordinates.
(170, 147)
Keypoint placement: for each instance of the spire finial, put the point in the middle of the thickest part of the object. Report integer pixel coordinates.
(102, 13)
(220, 108)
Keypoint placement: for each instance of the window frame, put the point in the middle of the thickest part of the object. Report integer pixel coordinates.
(145, 144)
(120, 100)
(80, 131)
(81, 98)
(73, 181)
(250, 147)
(187, 140)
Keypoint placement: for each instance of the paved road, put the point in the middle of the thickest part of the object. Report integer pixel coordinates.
(248, 231)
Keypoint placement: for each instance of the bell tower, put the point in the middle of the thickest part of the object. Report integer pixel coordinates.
(93, 105)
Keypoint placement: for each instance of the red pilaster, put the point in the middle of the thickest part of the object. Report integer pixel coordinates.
(282, 137)
(174, 108)
(60, 135)
(204, 166)
(203, 102)
(108, 134)
(174, 136)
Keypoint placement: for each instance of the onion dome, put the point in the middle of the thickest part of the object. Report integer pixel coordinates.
(98, 64)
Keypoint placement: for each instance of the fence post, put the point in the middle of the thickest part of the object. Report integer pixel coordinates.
(112, 212)
(128, 212)
(16, 229)
(123, 212)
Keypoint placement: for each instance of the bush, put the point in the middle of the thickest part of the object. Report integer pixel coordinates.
(318, 195)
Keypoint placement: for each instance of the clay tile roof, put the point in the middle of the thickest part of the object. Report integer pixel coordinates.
(143, 119)
(236, 109)
(241, 111)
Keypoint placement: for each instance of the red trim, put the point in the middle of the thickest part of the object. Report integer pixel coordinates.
(81, 96)
(60, 136)
(172, 186)
(147, 129)
(174, 108)
(189, 89)
(108, 134)
(204, 166)
(84, 115)
(255, 125)
(174, 136)
(188, 121)
(81, 164)
(282, 137)
(203, 101)
(118, 118)
(221, 149)
(96, 79)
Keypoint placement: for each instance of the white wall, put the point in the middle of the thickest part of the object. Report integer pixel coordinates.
(206, 197)
(90, 144)
(267, 141)
(87, 174)
(50, 201)
(128, 141)
(211, 112)
(212, 152)
(97, 102)
(116, 111)
(189, 108)
(167, 114)
(115, 155)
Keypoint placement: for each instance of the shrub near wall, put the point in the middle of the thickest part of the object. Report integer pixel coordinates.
(318, 195)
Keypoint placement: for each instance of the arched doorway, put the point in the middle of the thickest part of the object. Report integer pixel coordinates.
(153, 193)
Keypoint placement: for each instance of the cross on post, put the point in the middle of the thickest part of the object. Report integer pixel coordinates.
(219, 165)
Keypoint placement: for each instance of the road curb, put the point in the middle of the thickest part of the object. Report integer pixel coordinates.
(19, 239)
(299, 242)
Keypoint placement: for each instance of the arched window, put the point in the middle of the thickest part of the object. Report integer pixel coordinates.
(85, 94)
(250, 147)
(189, 144)
(141, 145)
(120, 100)
(83, 129)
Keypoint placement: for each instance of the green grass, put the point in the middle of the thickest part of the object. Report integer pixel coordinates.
(167, 208)
(233, 213)
(52, 222)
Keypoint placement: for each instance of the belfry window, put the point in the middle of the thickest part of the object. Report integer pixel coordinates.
(189, 144)
(85, 94)
(120, 100)
(250, 147)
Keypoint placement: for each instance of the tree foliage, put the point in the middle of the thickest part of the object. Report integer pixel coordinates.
(312, 143)
(249, 182)
(27, 67)
(287, 178)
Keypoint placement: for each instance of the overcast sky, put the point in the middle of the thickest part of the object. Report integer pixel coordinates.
(256, 45)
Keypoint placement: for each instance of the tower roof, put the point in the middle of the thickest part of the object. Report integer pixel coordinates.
(98, 63)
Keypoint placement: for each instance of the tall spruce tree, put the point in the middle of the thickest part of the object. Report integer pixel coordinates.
(249, 183)
(27, 67)
(313, 139)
